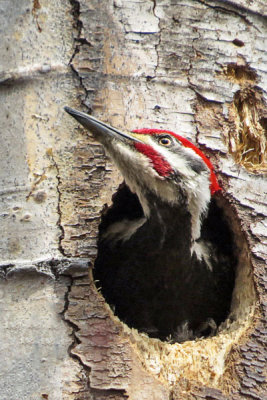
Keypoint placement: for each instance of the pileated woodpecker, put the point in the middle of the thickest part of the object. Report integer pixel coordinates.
(165, 259)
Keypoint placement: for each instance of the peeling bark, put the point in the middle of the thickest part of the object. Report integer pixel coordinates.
(197, 68)
(188, 76)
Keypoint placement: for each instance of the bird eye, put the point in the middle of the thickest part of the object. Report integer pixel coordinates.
(165, 141)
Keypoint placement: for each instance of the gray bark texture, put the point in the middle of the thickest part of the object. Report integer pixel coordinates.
(196, 67)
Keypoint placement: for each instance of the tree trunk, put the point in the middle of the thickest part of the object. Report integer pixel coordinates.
(196, 67)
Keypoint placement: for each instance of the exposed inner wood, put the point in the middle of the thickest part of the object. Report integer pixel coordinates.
(248, 139)
(194, 67)
(153, 297)
(201, 360)
(170, 67)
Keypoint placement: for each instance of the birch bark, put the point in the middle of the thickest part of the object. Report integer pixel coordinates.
(196, 67)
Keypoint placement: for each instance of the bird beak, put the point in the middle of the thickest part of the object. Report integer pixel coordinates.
(99, 128)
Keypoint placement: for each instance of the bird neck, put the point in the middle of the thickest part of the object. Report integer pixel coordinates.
(189, 203)
(169, 222)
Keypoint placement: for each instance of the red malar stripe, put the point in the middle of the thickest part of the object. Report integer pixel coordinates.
(162, 167)
(214, 185)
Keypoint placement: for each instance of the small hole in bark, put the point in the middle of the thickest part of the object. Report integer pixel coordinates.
(150, 297)
(238, 43)
(240, 73)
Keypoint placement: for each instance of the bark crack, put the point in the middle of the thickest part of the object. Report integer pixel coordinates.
(75, 328)
(241, 7)
(35, 8)
(230, 11)
(86, 370)
(157, 45)
(59, 221)
(67, 268)
(80, 41)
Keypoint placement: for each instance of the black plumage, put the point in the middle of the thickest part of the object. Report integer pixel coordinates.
(162, 275)
(153, 281)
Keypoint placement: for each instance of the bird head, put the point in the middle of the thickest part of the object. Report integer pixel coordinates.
(160, 161)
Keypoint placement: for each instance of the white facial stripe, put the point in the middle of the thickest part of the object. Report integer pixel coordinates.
(192, 153)
(134, 164)
(197, 185)
(176, 161)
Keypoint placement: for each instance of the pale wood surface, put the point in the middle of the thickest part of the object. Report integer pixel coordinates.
(195, 67)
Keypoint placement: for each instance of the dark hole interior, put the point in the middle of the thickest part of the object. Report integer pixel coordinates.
(174, 304)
